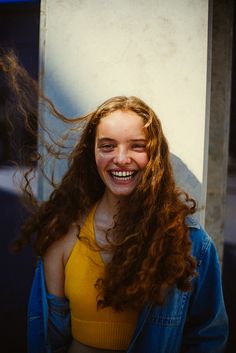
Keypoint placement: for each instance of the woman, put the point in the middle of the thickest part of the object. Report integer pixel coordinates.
(123, 267)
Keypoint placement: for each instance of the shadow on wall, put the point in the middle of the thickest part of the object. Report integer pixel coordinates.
(187, 181)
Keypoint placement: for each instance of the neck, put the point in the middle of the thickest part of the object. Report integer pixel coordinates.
(110, 203)
(106, 210)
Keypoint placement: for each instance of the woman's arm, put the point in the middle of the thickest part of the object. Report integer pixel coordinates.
(206, 329)
(54, 268)
(58, 328)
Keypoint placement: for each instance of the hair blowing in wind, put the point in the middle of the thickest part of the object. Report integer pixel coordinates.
(149, 243)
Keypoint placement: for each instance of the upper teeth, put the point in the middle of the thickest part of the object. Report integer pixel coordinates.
(122, 173)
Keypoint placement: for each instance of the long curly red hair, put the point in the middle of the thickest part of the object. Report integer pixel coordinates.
(150, 244)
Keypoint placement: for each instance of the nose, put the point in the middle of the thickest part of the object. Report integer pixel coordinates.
(122, 156)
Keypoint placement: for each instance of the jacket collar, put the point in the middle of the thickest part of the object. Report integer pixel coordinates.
(191, 222)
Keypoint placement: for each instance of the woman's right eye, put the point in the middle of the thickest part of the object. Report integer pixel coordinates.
(107, 147)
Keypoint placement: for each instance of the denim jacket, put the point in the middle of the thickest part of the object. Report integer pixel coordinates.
(192, 322)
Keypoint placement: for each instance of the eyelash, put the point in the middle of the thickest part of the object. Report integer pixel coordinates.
(139, 146)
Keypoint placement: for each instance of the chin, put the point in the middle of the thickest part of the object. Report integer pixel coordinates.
(120, 194)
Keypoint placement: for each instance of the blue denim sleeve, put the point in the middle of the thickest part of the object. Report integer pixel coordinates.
(48, 318)
(38, 313)
(59, 328)
(206, 328)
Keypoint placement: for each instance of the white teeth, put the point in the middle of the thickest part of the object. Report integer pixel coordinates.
(122, 173)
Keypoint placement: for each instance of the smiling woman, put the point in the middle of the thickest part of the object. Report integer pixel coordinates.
(122, 265)
(120, 152)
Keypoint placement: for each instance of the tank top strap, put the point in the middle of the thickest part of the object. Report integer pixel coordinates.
(87, 228)
(87, 231)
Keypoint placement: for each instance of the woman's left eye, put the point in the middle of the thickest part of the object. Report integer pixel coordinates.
(138, 147)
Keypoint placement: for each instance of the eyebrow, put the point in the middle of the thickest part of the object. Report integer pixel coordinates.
(132, 140)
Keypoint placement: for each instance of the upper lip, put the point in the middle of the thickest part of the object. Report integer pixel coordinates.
(122, 170)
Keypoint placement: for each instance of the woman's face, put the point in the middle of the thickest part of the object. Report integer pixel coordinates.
(120, 151)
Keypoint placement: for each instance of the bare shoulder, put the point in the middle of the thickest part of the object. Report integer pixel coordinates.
(55, 259)
(60, 250)
(69, 242)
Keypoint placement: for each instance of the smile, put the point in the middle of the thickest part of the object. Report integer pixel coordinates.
(122, 175)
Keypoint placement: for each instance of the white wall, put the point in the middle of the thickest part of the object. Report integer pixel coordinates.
(95, 49)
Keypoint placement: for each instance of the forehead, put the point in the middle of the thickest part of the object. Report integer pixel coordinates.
(121, 123)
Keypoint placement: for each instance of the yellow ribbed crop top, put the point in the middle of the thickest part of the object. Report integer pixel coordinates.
(103, 328)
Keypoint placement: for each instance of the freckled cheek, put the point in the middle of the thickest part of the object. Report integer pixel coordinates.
(102, 160)
(143, 161)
